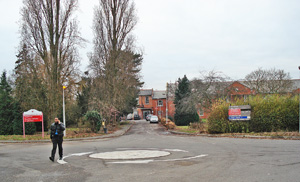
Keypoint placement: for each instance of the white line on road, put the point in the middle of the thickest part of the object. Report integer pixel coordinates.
(76, 154)
(137, 161)
(148, 161)
(175, 150)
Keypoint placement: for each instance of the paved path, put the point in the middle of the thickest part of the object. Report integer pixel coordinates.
(154, 155)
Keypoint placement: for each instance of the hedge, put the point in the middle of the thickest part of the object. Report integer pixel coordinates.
(269, 113)
(184, 119)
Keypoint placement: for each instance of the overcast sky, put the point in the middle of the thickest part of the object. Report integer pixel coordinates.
(186, 36)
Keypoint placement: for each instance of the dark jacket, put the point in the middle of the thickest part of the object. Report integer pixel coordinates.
(59, 128)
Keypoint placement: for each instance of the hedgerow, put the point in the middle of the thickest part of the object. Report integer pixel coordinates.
(268, 113)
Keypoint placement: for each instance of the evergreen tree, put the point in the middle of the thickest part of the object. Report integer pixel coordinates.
(6, 107)
(17, 123)
(18, 120)
(185, 110)
(30, 89)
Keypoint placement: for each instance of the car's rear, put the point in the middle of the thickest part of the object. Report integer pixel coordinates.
(148, 117)
(153, 119)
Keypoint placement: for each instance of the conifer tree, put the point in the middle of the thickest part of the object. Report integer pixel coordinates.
(185, 110)
(6, 106)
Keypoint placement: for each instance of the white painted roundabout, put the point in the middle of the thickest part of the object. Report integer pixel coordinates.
(130, 154)
(134, 156)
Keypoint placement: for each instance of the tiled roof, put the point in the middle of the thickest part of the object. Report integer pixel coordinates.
(159, 95)
(145, 92)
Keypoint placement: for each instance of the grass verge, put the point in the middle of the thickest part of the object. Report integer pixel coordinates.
(186, 129)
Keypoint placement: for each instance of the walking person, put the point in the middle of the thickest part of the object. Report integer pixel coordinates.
(56, 136)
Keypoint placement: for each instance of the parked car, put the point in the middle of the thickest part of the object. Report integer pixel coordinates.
(137, 117)
(153, 119)
(129, 117)
(148, 117)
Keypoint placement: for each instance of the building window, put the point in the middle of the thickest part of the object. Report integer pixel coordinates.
(147, 100)
(160, 103)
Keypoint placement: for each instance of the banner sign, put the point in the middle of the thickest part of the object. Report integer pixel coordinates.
(33, 116)
(239, 112)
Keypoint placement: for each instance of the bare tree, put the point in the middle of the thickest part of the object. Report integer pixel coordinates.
(51, 33)
(269, 81)
(256, 80)
(114, 61)
(209, 86)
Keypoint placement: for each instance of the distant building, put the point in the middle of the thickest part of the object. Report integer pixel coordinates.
(154, 102)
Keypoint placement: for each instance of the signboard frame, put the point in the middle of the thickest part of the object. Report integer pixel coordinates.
(33, 115)
(239, 113)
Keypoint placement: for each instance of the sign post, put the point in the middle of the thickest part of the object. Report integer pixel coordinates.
(33, 116)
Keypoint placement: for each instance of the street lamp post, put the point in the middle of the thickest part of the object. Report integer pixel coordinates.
(64, 114)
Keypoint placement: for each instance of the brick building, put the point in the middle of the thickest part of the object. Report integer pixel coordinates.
(154, 102)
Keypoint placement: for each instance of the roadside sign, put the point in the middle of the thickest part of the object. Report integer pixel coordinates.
(242, 113)
(33, 116)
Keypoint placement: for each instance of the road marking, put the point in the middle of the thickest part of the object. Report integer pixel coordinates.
(175, 150)
(148, 161)
(133, 162)
(137, 149)
(134, 154)
(76, 154)
(130, 154)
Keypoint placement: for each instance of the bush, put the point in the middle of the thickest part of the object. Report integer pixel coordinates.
(30, 128)
(170, 118)
(163, 121)
(270, 113)
(186, 119)
(274, 113)
(95, 120)
(171, 125)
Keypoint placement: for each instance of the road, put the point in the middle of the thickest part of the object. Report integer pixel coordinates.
(184, 158)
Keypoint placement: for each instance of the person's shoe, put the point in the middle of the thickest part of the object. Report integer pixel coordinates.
(51, 158)
(60, 158)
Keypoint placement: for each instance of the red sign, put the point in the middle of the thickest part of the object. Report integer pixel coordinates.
(33, 118)
(234, 112)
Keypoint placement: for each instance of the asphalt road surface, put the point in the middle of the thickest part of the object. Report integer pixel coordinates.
(149, 153)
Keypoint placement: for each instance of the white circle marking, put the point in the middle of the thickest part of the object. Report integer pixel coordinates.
(130, 154)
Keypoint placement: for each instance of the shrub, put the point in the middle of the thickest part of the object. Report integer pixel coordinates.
(269, 113)
(163, 121)
(198, 126)
(95, 120)
(171, 125)
(170, 118)
(184, 119)
(30, 128)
